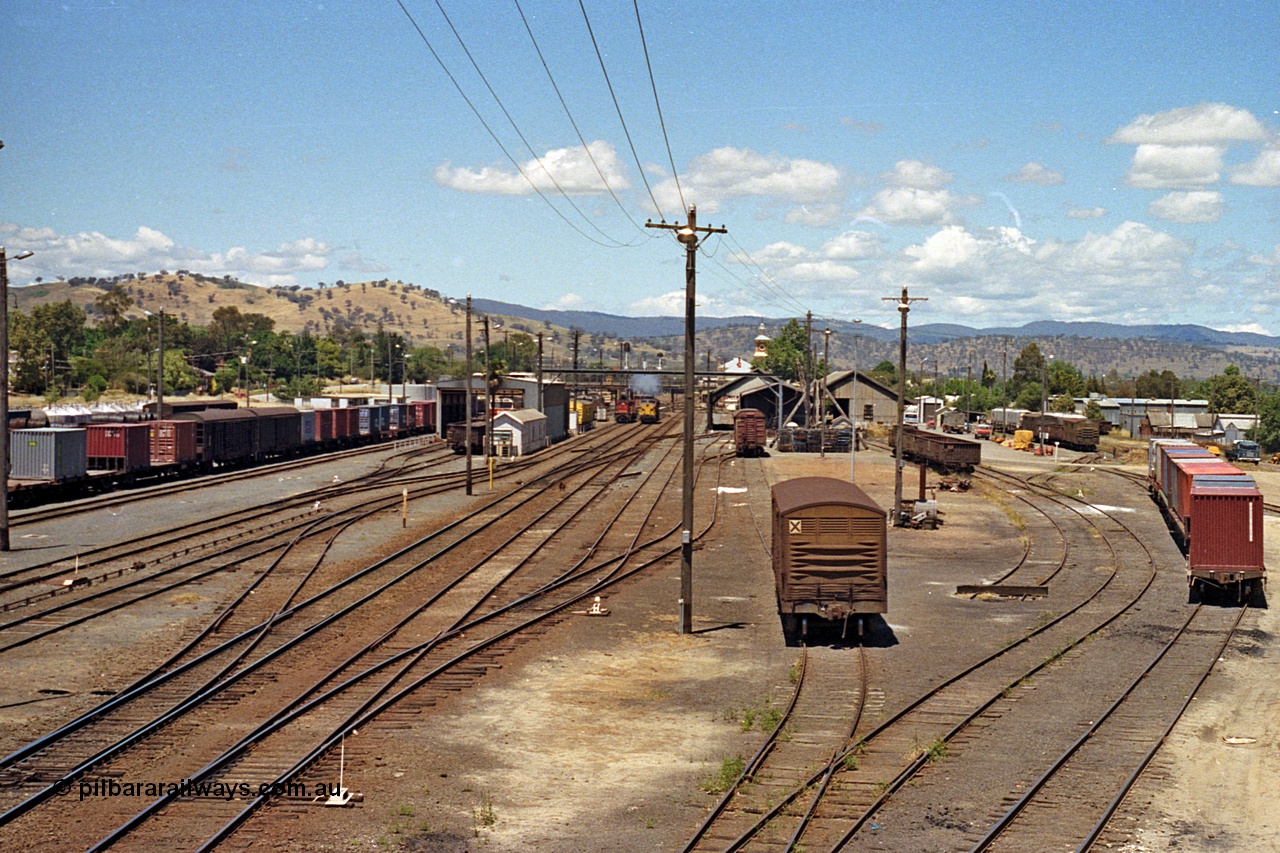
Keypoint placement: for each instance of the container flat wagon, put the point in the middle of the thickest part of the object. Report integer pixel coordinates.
(947, 452)
(749, 432)
(1215, 513)
(829, 553)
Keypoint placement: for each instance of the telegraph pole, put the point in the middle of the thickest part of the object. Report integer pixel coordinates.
(904, 308)
(540, 369)
(688, 235)
(488, 395)
(467, 408)
(160, 380)
(822, 394)
(4, 396)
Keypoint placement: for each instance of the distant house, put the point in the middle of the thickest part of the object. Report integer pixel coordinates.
(875, 402)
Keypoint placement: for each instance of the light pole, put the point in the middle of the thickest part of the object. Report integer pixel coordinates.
(853, 406)
(159, 365)
(4, 396)
(937, 409)
(822, 394)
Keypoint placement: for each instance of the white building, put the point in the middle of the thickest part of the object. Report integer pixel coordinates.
(519, 432)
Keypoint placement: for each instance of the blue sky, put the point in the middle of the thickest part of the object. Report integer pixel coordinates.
(1011, 162)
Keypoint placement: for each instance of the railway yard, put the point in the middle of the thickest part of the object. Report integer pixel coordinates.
(351, 654)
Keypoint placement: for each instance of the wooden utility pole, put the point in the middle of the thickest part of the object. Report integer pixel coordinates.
(688, 235)
(539, 371)
(822, 394)
(808, 356)
(4, 395)
(904, 308)
(488, 395)
(467, 407)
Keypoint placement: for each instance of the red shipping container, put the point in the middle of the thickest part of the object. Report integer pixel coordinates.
(425, 416)
(173, 442)
(118, 447)
(1179, 490)
(1226, 534)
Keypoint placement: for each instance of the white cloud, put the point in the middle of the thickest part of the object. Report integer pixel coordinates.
(93, 254)
(1034, 173)
(671, 304)
(911, 206)
(567, 302)
(914, 173)
(1264, 171)
(870, 127)
(1198, 206)
(817, 216)
(999, 275)
(571, 168)
(853, 246)
(1201, 124)
(738, 172)
(1246, 327)
(1086, 212)
(1174, 167)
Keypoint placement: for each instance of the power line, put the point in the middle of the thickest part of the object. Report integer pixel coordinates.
(493, 135)
(585, 146)
(618, 108)
(516, 127)
(766, 279)
(658, 105)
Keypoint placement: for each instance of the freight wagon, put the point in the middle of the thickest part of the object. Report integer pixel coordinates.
(944, 451)
(1075, 432)
(1215, 513)
(749, 433)
(458, 437)
(829, 553)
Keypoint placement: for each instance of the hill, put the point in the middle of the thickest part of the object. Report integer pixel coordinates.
(427, 317)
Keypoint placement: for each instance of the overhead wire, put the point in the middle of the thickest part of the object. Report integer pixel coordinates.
(744, 257)
(519, 133)
(658, 105)
(581, 138)
(618, 109)
(494, 136)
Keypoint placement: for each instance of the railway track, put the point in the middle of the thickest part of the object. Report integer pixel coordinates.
(881, 762)
(1072, 802)
(387, 644)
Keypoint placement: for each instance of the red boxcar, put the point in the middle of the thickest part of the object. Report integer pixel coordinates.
(749, 434)
(173, 442)
(118, 447)
(324, 425)
(346, 423)
(1226, 538)
(424, 416)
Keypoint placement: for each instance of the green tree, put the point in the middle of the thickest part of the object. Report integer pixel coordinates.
(1029, 397)
(1153, 385)
(179, 377)
(1229, 392)
(112, 305)
(1063, 403)
(30, 346)
(1093, 411)
(886, 372)
(788, 353)
(1028, 367)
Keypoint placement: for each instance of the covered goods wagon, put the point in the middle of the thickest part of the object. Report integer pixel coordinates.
(829, 552)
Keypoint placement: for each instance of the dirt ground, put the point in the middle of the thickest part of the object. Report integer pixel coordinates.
(607, 734)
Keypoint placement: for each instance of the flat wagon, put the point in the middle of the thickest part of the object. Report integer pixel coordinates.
(749, 432)
(947, 452)
(829, 553)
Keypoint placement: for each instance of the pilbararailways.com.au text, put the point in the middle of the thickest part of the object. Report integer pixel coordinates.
(91, 788)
